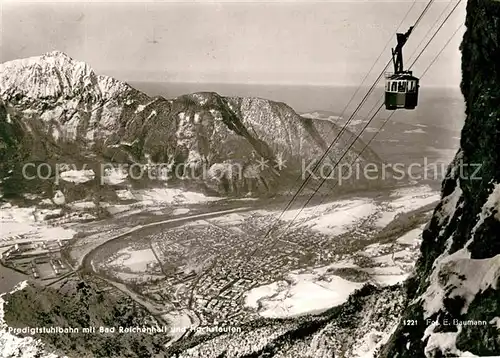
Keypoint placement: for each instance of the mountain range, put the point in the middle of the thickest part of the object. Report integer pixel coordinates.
(54, 109)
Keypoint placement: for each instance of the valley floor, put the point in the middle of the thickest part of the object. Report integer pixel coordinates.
(195, 261)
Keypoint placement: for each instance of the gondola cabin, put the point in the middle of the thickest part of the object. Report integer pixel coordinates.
(401, 91)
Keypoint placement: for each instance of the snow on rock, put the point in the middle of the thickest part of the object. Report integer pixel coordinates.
(125, 194)
(465, 277)
(114, 176)
(492, 205)
(54, 74)
(78, 176)
(59, 198)
(450, 204)
(496, 321)
(202, 100)
(445, 342)
(216, 114)
(372, 341)
(142, 107)
(152, 114)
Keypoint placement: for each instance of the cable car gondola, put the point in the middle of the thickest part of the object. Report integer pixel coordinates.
(401, 87)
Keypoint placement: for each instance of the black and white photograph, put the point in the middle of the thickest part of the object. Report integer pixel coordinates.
(249, 179)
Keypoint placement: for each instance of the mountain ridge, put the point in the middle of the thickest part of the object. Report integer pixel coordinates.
(69, 77)
(58, 103)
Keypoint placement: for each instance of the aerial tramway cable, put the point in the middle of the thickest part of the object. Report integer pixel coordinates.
(418, 46)
(344, 128)
(438, 19)
(437, 31)
(423, 74)
(378, 110)
(442, 49)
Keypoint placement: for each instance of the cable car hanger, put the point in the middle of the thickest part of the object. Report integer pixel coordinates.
(401, 89)
(397, 53)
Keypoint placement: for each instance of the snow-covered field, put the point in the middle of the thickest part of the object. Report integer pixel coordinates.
(320, 288)
(78, 176)
(341, 216)
(135, 260)
(331, 218)
(159, 196)
(302, 293)
(323, 288)
(28, 224)
(179, 322)
(20, 225)
(415, 131)
(405, 200)
(151, 200)
(114, 176)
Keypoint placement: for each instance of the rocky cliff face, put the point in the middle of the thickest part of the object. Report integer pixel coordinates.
(56, 109)
(454, 297)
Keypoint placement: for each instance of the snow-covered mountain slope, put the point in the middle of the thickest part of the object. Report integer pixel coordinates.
(53, 107)
(454, 297)
(55, 75)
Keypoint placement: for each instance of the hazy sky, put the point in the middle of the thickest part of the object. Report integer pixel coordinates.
(327, 42)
